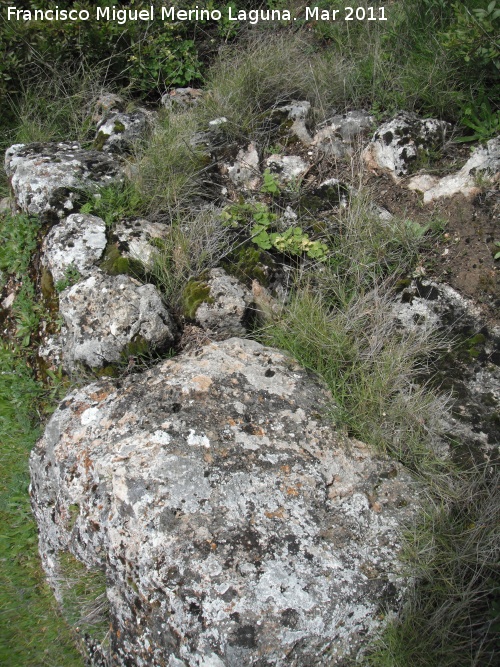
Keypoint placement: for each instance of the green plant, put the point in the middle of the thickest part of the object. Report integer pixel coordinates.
(482, 119)
(114, 202)
(35, 634)
(270, 183)
(169, 170)
(191, 246)
(351, 339)
(497, 254)
(27, 313)
(292, 241)
(18, 241)
(450, 617)
(194, 294)
(474, 34)
(249, 81)
(71, 276)
(84, 602)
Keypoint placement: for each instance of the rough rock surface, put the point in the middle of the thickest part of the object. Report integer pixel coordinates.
(245, 171)
(483, 163)
(235, 526)
(287, 168)
(338, 135)
(105, 104)
(135, 239)
(299, 117)
(182, 98)
(228, 311)
(472, 374)
(104, 314)
(118, 132)
(79, 240)
(47, 177)
(398, 143)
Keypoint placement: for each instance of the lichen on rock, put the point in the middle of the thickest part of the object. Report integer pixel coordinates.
(103, 314)
(79, 240)
(236, 526)
(50, 177)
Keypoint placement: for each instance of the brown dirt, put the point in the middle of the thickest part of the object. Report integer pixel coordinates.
(462, 254)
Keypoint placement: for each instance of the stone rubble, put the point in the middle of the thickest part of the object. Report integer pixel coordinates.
(397, 144)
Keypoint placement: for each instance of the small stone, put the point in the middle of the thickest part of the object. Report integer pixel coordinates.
(79, 241)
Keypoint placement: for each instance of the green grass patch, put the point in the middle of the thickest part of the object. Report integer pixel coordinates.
(452, 616)
(18, 241)
(32, 632)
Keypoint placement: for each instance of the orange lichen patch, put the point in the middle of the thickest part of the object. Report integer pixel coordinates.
(279, 514)
(99, 395)
(233, 422)
(292, 491)
(213, 546)
(285, 469)
(203, 382)
(80, 408)
(208, 458)
(86, 460)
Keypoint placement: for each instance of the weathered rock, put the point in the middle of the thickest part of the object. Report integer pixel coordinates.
(118, 132)
(295, 120)
(235, 525)
(470, 369)
(484, 163)
(287, 168)
(135, 240)
(398, 143)
(245, 171)
(79, 240)
(47, 177)
(227, 310)
(105, 104)
(182, 98)
(107, 316)
(340, 132)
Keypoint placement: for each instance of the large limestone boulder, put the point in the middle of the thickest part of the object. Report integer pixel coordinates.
(106, 316)
(46, 178)
(397, 144)
(77, 241)
(235, 525)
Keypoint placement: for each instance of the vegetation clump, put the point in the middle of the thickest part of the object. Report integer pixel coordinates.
(195, 293)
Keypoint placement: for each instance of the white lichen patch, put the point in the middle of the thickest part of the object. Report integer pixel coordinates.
(213, 509)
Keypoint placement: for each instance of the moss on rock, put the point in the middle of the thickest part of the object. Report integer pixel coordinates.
(195, 293)
(114, 263)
